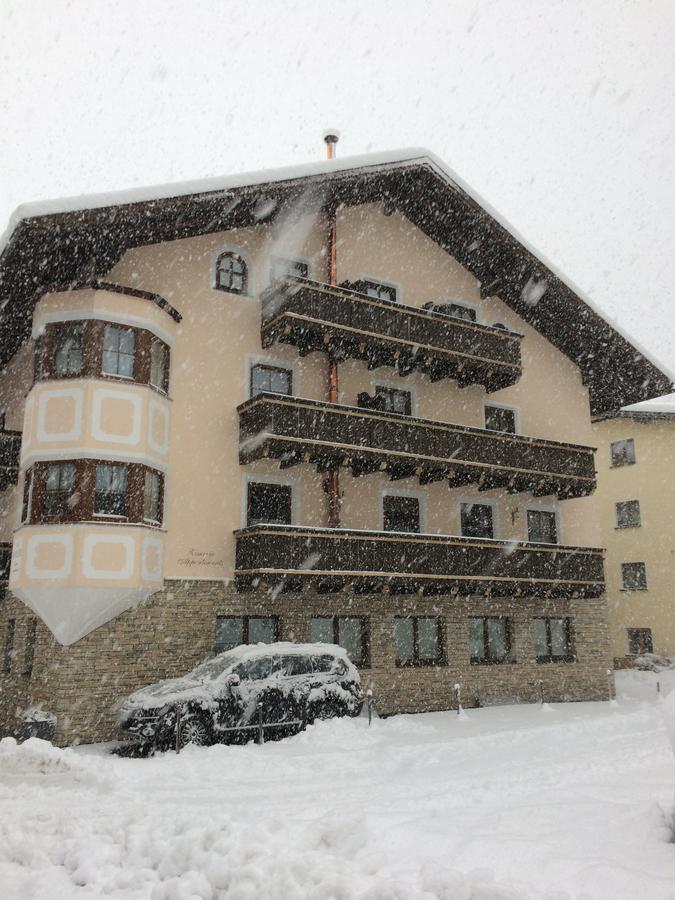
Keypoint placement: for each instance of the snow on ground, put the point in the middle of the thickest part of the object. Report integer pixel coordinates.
(508, 803)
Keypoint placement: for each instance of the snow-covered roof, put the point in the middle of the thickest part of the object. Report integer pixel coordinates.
(66, 234)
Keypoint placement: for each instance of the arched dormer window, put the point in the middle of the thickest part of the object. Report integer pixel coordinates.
(231, 273)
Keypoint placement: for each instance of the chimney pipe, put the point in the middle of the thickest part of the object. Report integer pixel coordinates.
(331, 136)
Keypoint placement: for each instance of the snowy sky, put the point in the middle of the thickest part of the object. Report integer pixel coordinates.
(561, 113)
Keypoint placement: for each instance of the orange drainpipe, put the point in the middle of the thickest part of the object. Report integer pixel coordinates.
(331, 139)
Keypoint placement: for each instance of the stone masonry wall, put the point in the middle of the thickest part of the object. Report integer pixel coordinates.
(174, 630)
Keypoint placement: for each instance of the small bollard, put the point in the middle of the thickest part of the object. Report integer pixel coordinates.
(658, 690)
(609, 684)
(458, 697)
(261, 736)
(369, 704)
(540, 682)
(178, 729)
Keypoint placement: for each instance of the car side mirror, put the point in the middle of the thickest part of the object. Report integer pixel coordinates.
(234, 680)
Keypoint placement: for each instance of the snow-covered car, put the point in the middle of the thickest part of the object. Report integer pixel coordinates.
(282, 685)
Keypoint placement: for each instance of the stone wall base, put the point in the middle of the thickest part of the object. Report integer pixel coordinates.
(173, 630)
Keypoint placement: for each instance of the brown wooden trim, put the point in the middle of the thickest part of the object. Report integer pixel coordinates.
(84, 487)
(92, 353)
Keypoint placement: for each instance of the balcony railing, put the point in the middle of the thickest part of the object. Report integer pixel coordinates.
(315, 316)
(294, 430)
(10, 450)
(292, 557)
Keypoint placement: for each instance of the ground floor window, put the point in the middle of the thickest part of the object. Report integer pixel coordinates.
(350, 632)
(231, 631)
(418, 641)
(640, 641)
(553, 640)
(490, 639)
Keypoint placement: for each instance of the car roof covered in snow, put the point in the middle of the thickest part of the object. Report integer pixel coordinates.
(67, 243)
(282, 648)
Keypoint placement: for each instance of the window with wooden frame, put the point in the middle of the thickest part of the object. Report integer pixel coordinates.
(231, 631)
(418, 640)
(639, 641)
(553, 639)
(627, 513)
(542, 526)
(490, 639)
(622, 453)
(270, 379)
(282, 267)
(231, 273)
(159, 365)
(118, 351)
(27, 495)
(268, 503)
(110, 495)
(395, 400)
(59, 490)
(349, 632)
(68, 349)
(500, 418)
(379, 290)
(634, 576)
(400, 513)
(153, 490)
(477, 520)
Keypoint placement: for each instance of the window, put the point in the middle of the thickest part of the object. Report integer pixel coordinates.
(159, 365)
(401, 514)
(283, 267)
(500, 418)
(418, 641)
(271, 379)
(634, 576)
(477, 520)
(348, 631)
(231, 273)
(458, 311)
(118, 351)
(552, 640)
(542, 527)
(29, 647)
(490, 639)
(231, 631)
(395, 400)
(627, 513)
(640, 641)
(152, 497)
(59, 489)
(68, 350)
(27, 495)
(379, 291)
(8, 655)
(622, 452)
(268, 503)
(110, 495)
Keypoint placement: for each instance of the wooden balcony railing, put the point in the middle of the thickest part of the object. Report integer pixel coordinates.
(328, 435)
(315, 316)
(10, 450)
(292, 557)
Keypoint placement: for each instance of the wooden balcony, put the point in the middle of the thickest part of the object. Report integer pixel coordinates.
(315, 316)
(327, 435)
(293, 558)
(10, 450)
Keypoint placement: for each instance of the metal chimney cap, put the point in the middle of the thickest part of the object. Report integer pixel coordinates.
(331, 135)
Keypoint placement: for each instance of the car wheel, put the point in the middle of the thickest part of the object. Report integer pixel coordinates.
(193, 730)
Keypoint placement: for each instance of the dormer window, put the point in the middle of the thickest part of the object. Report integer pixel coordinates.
(231, 273)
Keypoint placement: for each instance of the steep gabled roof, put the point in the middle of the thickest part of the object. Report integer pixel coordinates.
(77, 240)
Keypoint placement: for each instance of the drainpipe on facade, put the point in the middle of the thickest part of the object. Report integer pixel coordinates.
(333, 481)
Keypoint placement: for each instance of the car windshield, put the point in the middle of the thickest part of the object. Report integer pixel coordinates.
(213, 668)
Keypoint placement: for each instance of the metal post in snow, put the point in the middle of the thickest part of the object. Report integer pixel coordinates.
(261, 736)
(458, 697)
(369, 703)
(609, 683)
(178, 729)
(541, 690)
